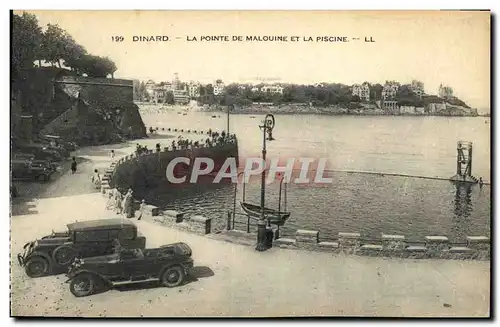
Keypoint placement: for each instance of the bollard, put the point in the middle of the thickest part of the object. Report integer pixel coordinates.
(228, 220)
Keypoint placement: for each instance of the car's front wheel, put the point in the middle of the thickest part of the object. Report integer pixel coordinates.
(36, 267)
(83, 285)
(173, 276)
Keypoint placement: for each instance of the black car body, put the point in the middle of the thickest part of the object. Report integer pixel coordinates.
(55, 252)
(35, 162)
(40, 151)
(169, 264)
(27, 170)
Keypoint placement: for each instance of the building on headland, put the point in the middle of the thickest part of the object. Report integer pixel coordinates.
(272, 89)
(150, 88)
(407, 110)
(417, 88)
(219, 87)
(362, 91)
(445, 91)
(419, 110)
(194, 89)
(255, 89)
(390, 106)
(390, 89)
(436, 107)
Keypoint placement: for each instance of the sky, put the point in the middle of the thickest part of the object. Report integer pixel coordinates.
(434, 47)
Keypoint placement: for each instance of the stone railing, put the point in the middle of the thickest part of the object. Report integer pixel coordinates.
(477, 247)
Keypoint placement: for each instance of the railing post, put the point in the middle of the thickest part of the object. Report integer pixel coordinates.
(229, 220)
(248, 224)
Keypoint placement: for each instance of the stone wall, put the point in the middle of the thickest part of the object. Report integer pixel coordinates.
(49, 93)
(436, 246)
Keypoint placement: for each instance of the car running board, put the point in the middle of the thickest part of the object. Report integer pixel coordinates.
(135, 281)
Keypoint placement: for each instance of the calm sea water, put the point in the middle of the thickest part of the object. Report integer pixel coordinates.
(354, 202)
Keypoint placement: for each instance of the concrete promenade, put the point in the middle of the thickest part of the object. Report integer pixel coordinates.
(232, 279)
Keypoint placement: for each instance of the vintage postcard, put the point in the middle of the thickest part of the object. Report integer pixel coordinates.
(250, 163)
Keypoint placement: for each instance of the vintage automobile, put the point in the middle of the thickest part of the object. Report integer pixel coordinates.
(168, 264)
(35, 162)
(40, 151)
(54, 253)
(56, 142)
(26, 170)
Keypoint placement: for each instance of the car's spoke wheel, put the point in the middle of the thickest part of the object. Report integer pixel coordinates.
(82, 285)
(36, 267)
(173, 276)
(64, 255)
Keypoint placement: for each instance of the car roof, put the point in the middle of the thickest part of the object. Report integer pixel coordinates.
(101, 224)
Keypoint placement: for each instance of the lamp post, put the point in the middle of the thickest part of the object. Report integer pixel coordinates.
(227, 121)
(267, 127)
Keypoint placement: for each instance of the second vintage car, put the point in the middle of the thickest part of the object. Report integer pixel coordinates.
(54, 253)
(168, 264)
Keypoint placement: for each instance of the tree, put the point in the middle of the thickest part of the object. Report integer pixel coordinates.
(73, 54)
(54, 44)
(95, 66)
(376, 91)
(232, 89)
(209, 89)
(26, 40)
(169, 98)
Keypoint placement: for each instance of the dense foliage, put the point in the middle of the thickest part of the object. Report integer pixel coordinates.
(54, 46)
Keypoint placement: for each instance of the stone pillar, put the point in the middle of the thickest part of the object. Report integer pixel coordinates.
(393, 242)
(435, 244)
(200, 225)
(306, 238)
(480, 245)
(174, 216)
(349, 242)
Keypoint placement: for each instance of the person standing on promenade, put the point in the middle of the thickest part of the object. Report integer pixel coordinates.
(128, 203)
(96, 179)
(73, 166)
(118, 202)
(481, 182)
(141, 209)
(112, 154)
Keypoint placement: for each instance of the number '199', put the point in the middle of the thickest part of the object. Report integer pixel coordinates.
(117, 38)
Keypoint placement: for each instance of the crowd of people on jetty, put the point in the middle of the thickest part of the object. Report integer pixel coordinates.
(214, 139)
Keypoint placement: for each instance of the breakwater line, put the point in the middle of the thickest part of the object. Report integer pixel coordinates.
(208, 132)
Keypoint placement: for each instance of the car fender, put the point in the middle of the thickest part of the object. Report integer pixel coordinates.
(40, 254)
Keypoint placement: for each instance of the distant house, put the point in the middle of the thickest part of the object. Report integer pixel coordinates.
(272, 89)
(445, 91)
(219, 87)
(194, 89)
(417, 88)
(255, 89)
(390, 89)
(419, 110)
(362, 91)
(409, 110)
